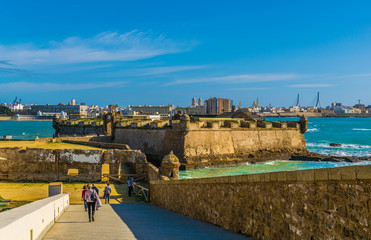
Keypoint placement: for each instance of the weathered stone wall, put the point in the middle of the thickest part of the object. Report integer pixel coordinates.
(71, 130)
(65, 127)
(332, 203)
(208, 146)
(51, 165)
(155, 143)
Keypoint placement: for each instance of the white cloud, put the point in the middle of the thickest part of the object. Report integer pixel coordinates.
(247, 89)
(310, 85)
(169, 69)
(48, 86)
(108, 46)
(246, 78)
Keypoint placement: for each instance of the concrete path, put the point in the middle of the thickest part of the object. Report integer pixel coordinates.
(148, 222)
(74, 224)
(134, 221)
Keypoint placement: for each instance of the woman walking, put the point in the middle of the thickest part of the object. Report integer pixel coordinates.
(83, 197)
(91, 198)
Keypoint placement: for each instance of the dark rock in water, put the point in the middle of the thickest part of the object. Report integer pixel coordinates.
(316, 157)
(335, 144)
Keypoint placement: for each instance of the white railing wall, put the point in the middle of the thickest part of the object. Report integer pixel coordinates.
(33, 220)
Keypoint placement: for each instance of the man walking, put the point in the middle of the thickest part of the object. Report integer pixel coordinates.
(95, 188)
(107, 193)
(130, 185)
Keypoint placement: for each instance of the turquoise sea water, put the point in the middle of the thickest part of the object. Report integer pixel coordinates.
(27, 129)
(353, 133)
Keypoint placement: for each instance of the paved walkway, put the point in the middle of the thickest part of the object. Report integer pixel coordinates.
(74, 224)
(134, 221)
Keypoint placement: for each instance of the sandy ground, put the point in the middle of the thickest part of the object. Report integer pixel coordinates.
(35, 191)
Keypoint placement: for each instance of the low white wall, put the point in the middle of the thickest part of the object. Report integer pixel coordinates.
(33, 220)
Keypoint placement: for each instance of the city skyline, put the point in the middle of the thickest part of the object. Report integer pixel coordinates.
(168, 52)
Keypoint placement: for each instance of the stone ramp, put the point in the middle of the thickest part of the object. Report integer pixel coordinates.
(134, 221)
(74, 224)
(148, 222)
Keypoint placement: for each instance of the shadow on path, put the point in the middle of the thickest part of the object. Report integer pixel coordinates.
(149, 222)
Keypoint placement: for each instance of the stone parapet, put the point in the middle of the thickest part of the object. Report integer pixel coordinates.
(328, 203)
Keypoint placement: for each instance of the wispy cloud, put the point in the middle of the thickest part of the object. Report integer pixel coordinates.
(246, 78)
(169, 69)
(4, 62)
(311, 85)
(107, 46)
(48, 86)
(6, 71)
(247, 89)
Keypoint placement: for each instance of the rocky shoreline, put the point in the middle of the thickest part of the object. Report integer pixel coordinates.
(316, 157)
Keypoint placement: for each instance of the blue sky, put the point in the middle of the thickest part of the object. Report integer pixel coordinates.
(166, 52)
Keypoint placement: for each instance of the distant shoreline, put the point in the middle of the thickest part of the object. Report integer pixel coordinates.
(23, 120)
(297, 116)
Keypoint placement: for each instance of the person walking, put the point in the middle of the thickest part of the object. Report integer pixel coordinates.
(95, 188)
(107, 193)
(83, 197)
(130, 185)
(91, 197)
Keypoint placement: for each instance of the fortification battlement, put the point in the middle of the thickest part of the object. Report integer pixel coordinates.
(110, 122)
(229, 124)
(82, 123)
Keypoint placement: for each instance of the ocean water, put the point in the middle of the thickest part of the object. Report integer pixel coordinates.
(27, 129)
(354, 135)
(269, 166)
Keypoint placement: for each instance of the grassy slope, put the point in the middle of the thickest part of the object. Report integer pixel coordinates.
(37, 191)
(44, 145)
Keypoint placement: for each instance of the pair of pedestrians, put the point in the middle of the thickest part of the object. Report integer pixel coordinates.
(90, 195)
(91, 200)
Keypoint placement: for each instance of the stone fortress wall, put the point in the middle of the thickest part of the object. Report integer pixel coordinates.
(197, 143)
(51, 165)
(78, 127)
(219, 142)
(330, 203)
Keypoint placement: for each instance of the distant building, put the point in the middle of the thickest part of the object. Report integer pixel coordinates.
(164, 111)
(16, 107)
(217, 106)
(198, 110)
(72, 110)
(200, 103)
(73, 102)
(194, 103)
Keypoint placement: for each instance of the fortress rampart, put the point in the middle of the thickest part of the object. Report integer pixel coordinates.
(204, 143)
(330, 203)
(34, 164)
(65, 127)
(197, 143)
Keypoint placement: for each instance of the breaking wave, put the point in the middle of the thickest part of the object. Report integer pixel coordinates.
(312, 130)
(342, 151)
(345, 145)
(361, 129)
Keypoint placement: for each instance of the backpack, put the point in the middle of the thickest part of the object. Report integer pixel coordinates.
(93, 197)
(107, 190)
